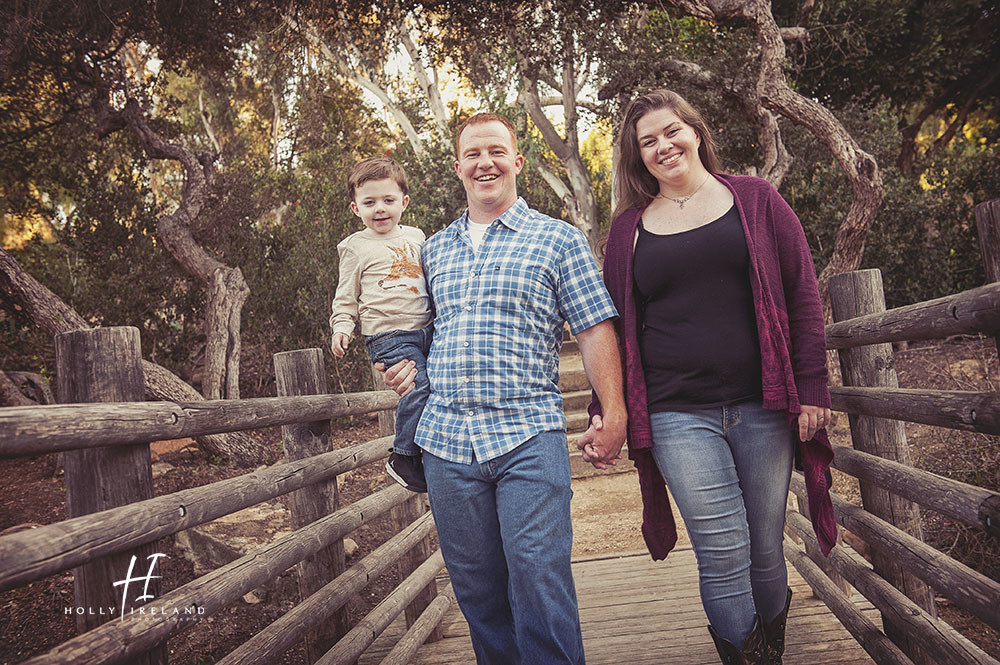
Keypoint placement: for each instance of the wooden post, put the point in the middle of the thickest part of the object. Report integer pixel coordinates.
(854, 294)
(988, 225)
(302, 373)
(105, 365)
(402, 516)
(816, 554)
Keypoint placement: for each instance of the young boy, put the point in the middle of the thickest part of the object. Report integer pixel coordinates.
(381, 284)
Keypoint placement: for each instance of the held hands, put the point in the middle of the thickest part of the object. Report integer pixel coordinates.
(399, 377)
(602, 443)
(811, 420)
(339, 345)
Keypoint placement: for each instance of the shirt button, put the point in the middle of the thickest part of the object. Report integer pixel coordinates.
(468, 308)
(467, 379)
(471, 413)
(465, 344)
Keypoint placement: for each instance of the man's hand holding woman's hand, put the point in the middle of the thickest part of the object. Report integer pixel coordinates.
(399, 377)
(602, 443)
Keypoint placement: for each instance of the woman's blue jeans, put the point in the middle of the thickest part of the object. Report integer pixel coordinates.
(728, 470)
(505, 532)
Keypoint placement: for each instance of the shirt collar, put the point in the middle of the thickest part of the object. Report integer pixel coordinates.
(513, 218)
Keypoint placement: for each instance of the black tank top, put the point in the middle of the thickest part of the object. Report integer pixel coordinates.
(698, 339)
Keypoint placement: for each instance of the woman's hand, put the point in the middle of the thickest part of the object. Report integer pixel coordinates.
(811, 420)
(594, 450)
(399, 377)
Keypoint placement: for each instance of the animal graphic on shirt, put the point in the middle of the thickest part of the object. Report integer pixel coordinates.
(405, 269)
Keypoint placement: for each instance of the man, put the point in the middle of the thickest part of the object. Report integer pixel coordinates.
(504, 279)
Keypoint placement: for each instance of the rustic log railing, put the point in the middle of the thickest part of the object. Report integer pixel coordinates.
(114, 517)
(905, 574)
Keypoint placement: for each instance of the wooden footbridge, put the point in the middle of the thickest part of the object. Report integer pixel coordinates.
(636, 611)
(633, 610)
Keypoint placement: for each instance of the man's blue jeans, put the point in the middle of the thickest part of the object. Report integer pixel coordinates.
(389, 348)
(728, 470)
(505, 532)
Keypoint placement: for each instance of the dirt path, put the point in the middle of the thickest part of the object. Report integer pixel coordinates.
(607, 514)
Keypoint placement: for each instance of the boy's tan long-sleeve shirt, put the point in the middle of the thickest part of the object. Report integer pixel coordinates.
(381, 283)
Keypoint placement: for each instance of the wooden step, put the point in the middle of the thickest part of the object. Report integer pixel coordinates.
(569, 347)
(573, 380)
(577, 400)
(577, 422)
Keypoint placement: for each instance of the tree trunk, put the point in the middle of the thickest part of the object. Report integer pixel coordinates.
(48, 312)
(227, 290)
(578, 196)
(11, 395)
(775, 94)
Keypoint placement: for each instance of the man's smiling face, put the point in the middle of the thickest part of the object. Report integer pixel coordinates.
(488, 164)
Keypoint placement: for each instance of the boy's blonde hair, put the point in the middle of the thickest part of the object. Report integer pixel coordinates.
(376, 168)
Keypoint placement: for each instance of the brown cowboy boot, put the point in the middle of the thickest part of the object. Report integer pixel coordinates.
(753, 651)
(774, 633)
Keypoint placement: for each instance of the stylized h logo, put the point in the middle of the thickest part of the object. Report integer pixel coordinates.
(128, 579)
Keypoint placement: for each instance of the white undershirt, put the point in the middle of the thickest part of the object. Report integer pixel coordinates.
(476, 233)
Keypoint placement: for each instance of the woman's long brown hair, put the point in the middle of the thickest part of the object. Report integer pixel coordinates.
(635, 186)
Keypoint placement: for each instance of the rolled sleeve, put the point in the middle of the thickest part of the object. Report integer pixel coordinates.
(582, 297)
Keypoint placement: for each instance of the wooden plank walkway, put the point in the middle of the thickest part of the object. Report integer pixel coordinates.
(635, 611)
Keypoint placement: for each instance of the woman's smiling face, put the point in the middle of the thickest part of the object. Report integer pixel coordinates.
(668, 146)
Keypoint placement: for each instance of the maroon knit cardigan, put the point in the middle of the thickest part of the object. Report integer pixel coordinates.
(792, 348)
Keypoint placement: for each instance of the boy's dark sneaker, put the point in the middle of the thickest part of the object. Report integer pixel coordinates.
(408, 471)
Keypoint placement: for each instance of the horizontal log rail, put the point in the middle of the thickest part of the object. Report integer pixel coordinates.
(969, 589)
(268, 645)
(34, 430)
(30, 555)
(974, 311)
(955, 409)
(866, 633)
(352, 645)
(412, 640)
(972, 505)
(121, 641)
(942, 642)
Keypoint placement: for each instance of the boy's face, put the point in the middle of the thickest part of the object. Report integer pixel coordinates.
(380, 204)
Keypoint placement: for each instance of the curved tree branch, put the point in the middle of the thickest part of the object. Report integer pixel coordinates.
(53, 316)
(776, 95)
(227, 289)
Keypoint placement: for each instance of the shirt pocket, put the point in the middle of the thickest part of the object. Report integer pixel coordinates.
(522, 288)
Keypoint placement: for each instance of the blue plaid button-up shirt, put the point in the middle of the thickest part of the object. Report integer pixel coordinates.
(499, 314)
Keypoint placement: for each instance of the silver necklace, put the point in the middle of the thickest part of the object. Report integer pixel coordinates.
(684, 199)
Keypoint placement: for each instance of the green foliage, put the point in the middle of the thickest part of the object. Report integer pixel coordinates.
(280, 217)
(105, 262)
(596, 151)
(906, 51)
(923, 239)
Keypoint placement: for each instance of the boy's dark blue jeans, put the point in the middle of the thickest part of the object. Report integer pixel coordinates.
(390, 347)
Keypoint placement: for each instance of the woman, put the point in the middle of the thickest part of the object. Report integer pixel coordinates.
(724, 349)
